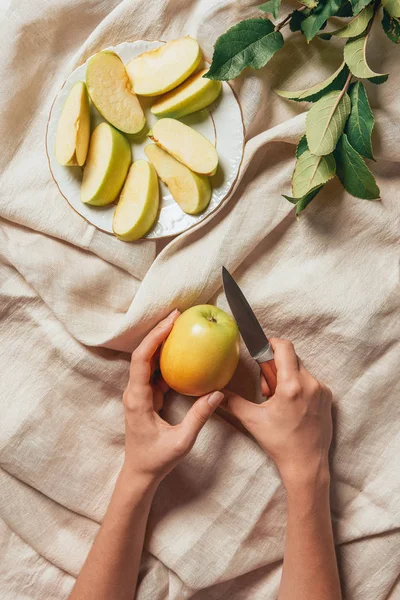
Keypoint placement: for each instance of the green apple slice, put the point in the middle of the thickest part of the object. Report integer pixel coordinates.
(186, 145)
(138, 204)
(160, 70)
(111, 92)
(106, 166)
(73, 130)
(192, 95)
(191, 191)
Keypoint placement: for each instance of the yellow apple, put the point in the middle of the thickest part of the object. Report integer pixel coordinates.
(191, 191)
(186, 145)
(192, 95)
(111, 92)
(201, 353)
(158, 71)
(138, 204)
(106, 166)
(73, 131)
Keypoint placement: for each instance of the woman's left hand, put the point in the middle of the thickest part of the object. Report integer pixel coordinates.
(153, 447)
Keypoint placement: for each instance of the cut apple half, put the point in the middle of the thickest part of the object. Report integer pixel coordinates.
(106, 166)
(73, 131)
(186, 145)
(192, 95)
(137, 208)
(191, 191)
(160, 70)
(111, 92)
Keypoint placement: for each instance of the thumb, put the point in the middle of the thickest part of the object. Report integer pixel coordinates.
(240, 408)
(198, 415)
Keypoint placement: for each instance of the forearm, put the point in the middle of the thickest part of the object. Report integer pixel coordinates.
(111, 568)
(309, 568)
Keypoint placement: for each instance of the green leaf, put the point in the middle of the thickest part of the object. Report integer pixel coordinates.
(250, 43)
(272, 6)
(314, 93)
(296, 19)
(352, 171)
(361, 121)
(355, 58)
(346, 10)
(391, 27)
(302, 202)
(313, 23)
(358, 5)
(311, 171)
(302, 146)
(378, 78)
(357, 25)
(392, 7)
(325, 122)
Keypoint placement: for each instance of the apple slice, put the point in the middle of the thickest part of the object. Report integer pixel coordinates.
(73, 131)
(192, 95)
(162, 69)
(191, 191)
(106, 166)
(138, 204)
(111, 92)
(186, 145)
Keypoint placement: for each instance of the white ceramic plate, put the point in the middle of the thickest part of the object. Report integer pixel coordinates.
(222, 124)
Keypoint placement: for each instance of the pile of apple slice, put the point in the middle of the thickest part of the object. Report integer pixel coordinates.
(181, 157)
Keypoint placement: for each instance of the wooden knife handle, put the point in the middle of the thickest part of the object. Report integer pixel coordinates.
(268, 369)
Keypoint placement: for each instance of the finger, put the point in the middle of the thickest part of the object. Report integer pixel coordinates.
(158, 397)
(150, 344)
(155, 360)
(163, 385)
(240, 408)
(286, 361)
(265, 391)
(327, 392)
(198, 415)
(302, 368)
(141, 357)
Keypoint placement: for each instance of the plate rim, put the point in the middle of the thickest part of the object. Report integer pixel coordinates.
(159, 237)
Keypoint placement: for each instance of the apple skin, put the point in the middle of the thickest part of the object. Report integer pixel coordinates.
(138, 204)
(73, 130)
(201, 353)
(105, 140)
(192, 95)
(192, 192)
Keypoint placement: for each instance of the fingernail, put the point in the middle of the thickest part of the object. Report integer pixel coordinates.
(172, 315)
(215, 399)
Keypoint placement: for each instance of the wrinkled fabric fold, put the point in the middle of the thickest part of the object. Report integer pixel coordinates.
(74, 302)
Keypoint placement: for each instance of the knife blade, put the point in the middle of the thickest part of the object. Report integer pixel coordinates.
(250, 329)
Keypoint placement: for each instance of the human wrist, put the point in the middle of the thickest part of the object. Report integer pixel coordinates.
(308, 500)
(133, 481)
(307, 479)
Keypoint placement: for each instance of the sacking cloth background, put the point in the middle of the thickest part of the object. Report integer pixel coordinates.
(75, 301)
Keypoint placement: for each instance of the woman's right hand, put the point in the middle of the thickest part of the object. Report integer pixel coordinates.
(295, 425)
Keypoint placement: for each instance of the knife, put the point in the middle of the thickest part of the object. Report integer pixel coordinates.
(251, 331)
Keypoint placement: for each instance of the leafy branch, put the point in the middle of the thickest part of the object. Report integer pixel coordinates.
(337, 140)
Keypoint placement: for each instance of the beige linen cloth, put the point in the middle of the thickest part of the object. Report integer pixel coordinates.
(75, 302)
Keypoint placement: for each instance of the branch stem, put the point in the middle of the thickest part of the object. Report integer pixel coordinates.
(286, 20)
(376, 8)
(346, 85)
